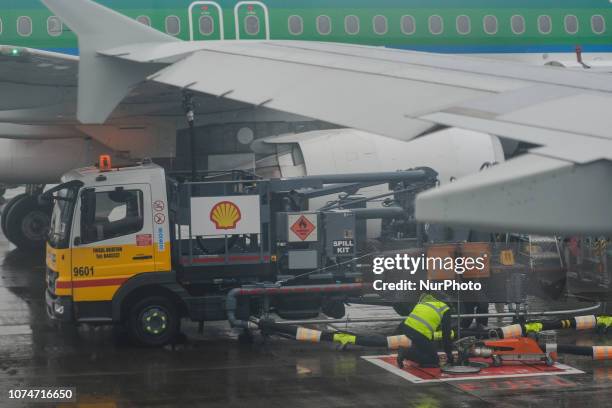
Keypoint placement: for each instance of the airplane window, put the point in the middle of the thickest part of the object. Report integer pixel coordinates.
(351, 24)
(144, 20)
(251, 25)
(464, 25)
(207, 25)
(408, 25)
(436, 25)
(24, 26)
(571, 24)
(489, 24)
(598, 24)
(324, 25)
(518, 24)
(54, 26)
(380, 25)
(544, 24)
(173, 25)
(296, 25)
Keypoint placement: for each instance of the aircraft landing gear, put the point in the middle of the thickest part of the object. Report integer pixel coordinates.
(25, 222)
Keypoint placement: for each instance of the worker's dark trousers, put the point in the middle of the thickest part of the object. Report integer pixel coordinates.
(423, 350)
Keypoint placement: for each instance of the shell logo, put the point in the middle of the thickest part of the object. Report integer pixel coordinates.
(225, 215)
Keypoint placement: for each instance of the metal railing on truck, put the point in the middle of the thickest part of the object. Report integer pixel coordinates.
(191, 249)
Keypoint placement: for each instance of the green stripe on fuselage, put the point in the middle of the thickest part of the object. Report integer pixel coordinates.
(421, 10)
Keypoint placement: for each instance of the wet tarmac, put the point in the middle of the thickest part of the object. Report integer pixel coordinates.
(214, 370)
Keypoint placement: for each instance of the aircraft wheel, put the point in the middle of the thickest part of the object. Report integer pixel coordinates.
(27, 223)
(5, 211)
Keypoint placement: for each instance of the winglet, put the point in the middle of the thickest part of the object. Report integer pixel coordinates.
(103, 81)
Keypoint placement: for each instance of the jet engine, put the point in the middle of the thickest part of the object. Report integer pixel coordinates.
(452, 152)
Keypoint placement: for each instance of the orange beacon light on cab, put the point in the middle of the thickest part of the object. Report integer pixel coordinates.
(105, 163)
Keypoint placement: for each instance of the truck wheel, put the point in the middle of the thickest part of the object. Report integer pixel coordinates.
(27, 223)
(6, 210)
(153, 321)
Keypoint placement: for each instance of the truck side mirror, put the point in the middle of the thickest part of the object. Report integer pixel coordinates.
(77, 241)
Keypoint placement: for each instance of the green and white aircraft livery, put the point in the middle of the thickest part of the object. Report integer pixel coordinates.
(517, 29)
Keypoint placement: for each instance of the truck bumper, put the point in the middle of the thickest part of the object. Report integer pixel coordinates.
(58, 307)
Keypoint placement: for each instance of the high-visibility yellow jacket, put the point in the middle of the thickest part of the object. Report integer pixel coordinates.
(426, 317)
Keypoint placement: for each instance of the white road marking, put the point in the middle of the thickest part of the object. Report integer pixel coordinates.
(12, 330)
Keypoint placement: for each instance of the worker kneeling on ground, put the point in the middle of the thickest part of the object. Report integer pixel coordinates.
(427, 317)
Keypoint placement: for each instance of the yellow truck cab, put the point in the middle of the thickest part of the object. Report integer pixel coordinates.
(136, 246)
(107, 227)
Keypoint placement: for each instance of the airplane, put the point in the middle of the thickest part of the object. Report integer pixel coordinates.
(72, 120)
(543, 31)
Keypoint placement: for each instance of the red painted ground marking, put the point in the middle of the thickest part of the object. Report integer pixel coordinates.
(412, 372)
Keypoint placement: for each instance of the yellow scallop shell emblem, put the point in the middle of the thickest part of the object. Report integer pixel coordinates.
(225, 215)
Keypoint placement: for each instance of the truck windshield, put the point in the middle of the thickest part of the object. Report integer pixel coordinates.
(61, 218)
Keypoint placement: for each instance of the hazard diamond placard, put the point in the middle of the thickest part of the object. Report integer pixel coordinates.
(302, 227)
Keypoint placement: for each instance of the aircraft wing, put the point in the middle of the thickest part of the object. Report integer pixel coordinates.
(560, 186)
(25, 72)
(37, 68)
(563, 113)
